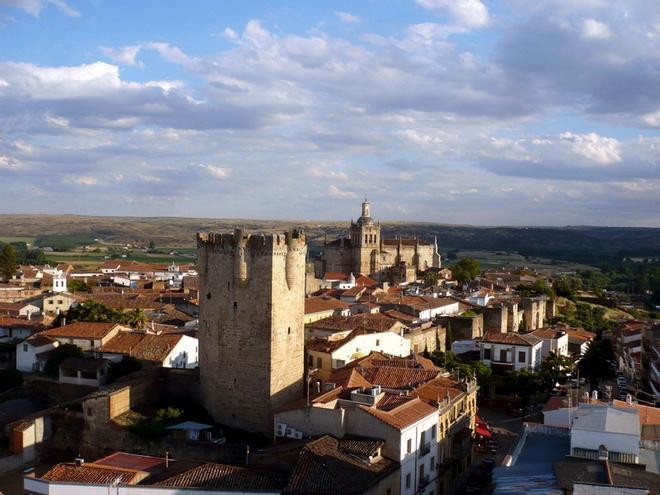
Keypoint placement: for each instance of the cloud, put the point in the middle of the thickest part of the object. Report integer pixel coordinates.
(470, 13)
(347, 18)
(335, 192)
(84, 181)
(34, 7)
(594, 29)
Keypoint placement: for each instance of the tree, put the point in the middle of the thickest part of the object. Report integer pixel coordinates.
(526, 384)
(597, 363)
(59, 354)
(554, 370)
(430, 279)
(448, 337)
(152, 245)
(79, 286)
(7, 261)
(466, 269)
(99, 312)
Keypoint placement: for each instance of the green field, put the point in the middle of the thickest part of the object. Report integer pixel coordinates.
(507, 260)
(9, 240)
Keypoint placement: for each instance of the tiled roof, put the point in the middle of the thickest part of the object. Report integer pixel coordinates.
(403, 415)
(11, 322)
(398, 378)
(82, 329)
(93, 474)
(126, 460)
(147, 347)
(436, 390)
(579, 334)
(549, 333)
(648, 415)
(375, 321)
(318, 304)
(335, 276)
(363, 281)
(328, 466)
(39, 339)
(523, 339)
(224, 477)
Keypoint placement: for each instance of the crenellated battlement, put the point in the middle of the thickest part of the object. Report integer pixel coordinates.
(254, 243)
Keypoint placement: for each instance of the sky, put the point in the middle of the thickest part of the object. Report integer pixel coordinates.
(479, 112)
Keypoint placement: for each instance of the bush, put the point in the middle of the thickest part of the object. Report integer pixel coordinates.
(58, 355)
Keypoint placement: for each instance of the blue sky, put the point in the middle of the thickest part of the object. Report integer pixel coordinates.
(460, 111)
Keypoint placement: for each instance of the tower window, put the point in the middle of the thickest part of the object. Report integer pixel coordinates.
(235, 305)
(208, 295)
(228, 285)
(365, 238)
(289, 331)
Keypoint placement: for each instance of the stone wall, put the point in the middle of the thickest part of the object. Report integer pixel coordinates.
(463, 327)
(251, 325)
(496, 319)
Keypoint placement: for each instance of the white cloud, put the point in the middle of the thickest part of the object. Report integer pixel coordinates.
(347, 17)
(35, 7)
(599, 149)
(594, 29)
(470, 13)
(335, 192)
(126, 55)
(216, 172)
(84, 181)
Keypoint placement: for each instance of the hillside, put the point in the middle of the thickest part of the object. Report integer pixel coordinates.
(584, 244)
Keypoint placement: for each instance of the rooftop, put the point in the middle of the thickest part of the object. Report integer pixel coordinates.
(94, 474)
(523, 339)
(603, 418)
(82, 330)
(224, 477)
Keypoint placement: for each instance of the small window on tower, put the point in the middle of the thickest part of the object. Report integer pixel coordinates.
(208, 295)
(289, 331)
(228, 285)
(235, 305)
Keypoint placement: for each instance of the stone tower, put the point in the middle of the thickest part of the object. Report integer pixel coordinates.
(251, 335)
(365, 241)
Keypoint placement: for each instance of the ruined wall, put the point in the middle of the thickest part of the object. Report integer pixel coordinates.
(251, 325)
(496, 318)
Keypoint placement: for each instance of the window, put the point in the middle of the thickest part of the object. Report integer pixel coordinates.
(235, 305)
(408, 480)
(377, 342)
(319, 363)
(310, 361)
(289, 331)
(503, 355)
(421, 471)
(433, 432)
(409, 446)
(521, 356)
(25, 349)
(433, 462)
(486, 353)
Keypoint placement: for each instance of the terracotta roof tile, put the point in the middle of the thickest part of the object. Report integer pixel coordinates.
(93, 474)
(224, 477)
(147, 347)
(523, 339)
(82, 329)
(319, 304)
(404, 415)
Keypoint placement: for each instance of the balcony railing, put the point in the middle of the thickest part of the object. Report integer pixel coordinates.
(424, 449)
(423, 482)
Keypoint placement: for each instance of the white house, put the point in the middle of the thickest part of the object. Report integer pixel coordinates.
(606, 431)
(328, 355)
(12, 329)
(168, 350)
(32, 353)
(86, 335)
(555, 340)
(512, 351)
(408, 426)
(480, 297)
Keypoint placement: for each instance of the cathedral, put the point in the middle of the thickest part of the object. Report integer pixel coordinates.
(366, 252)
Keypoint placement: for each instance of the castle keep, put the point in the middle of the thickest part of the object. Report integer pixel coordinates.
(251, 335)
(366, 252)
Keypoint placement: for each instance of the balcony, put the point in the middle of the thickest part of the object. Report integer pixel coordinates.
(424, 449)
(423, 482)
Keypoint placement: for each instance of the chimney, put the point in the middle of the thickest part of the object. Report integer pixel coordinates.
(594, 395)
(167, 459)
(629, 399)
(79, 461)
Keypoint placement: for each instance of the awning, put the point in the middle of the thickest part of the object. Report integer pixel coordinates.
(483, 432)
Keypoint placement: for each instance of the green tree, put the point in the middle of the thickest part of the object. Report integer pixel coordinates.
(554, 370)
(152, 245)
(597, 363)
(59, 354)
(7, 262)
(448, 337)
(79, 286)
(525, 384)
(466, 269)
(430, 279)
(99, 312)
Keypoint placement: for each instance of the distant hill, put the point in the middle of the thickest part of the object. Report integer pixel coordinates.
(584, 244)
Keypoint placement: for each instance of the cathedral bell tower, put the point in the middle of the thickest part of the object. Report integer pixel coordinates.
(365, 241)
